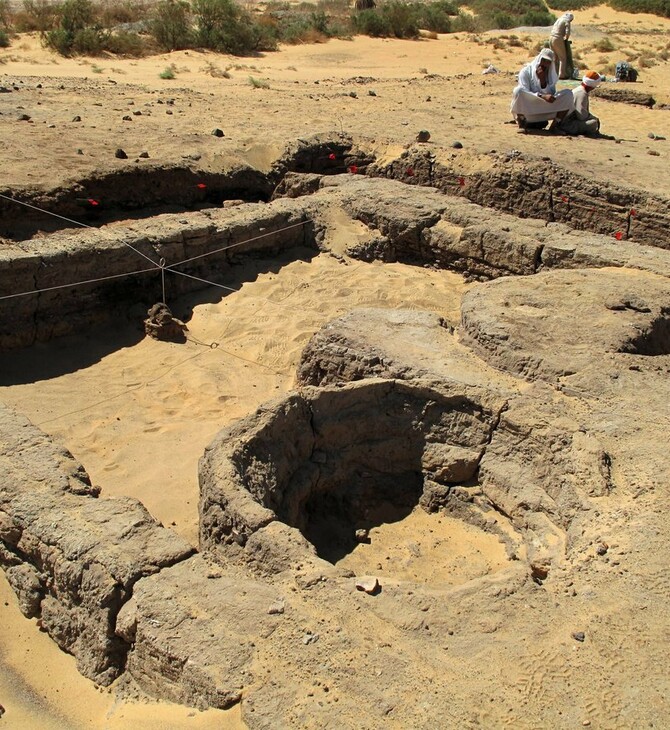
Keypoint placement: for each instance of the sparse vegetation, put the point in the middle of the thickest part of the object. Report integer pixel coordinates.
(604, 45)
(258, 83)
(167, 73)
(125, 28)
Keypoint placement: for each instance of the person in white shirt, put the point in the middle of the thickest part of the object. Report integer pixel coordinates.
(580, 120)
(535, 99)
(560, 33)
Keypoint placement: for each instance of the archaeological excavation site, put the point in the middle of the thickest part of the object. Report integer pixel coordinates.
(444, 512)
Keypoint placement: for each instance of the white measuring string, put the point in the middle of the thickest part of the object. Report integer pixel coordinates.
(76, 283)
(239, 243)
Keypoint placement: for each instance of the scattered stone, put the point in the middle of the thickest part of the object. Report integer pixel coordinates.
(654, 153)
(127, 118)
(362, 535)
(602, 549)
(80, 151)
(429, 98)
(76, 118)
(372, 93)
(5, 90)
(168, 111)
(578, 636)
(161, 325)
(353, 95)
(144, 155)
(24, 117)
(423, 136)
(137, 113)
(276, 608)
(457, 145)
(369, 584)
(310, 638)
(217, 132)
(2, 710)
(120, 154)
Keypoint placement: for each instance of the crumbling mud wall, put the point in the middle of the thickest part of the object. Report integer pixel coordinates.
(532, 188)
(127, 264)
(71, 557)
(40, 300)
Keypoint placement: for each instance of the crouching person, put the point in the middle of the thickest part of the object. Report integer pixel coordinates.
(535, 100)
(580, 120)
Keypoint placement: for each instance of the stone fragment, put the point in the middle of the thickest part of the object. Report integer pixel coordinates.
(120, 154)
(368, 584)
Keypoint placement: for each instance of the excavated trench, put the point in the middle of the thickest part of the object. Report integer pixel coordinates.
(310, 479)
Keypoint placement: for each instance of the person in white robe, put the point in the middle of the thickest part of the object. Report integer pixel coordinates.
(560, 33)
(535, 99)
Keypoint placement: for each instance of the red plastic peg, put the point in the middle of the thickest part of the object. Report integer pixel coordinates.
(331, 156)
(564, 198)
(633, 211)
(461, 181)
(202, 186)
(618, 235)
(92, 201)
(410, 171)
(353, 169)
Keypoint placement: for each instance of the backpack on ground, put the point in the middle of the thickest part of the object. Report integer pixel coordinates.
(625, 72)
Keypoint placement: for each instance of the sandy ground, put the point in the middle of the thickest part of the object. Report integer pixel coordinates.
(138, 417)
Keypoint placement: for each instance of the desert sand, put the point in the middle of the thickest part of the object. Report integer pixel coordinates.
(139, 417)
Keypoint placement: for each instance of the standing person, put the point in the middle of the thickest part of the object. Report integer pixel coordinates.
(560, 36)
(580, 120)
(535, 100)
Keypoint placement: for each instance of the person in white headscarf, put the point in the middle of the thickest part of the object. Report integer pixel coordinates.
(535, 99)
(560, 34)
(580, 120)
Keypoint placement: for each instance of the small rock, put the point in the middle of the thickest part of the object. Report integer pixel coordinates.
(372, 93)
(5, 90)
(144, 155)
(120, 154)
(127, 118)
(353, 95)
(369, 584)
(137, 113)
(168, 111)
(428, 98)
(654, 153)
(362, 536)
(26, 118)
(276, 608)
(76, 118)
(423, 136)
(217, 132)
(457, 145)
(80, 151)
(2, 710)
(578, 636)
(310, 638)
(602, 549)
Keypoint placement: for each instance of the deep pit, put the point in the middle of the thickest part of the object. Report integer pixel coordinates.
(342, 464)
